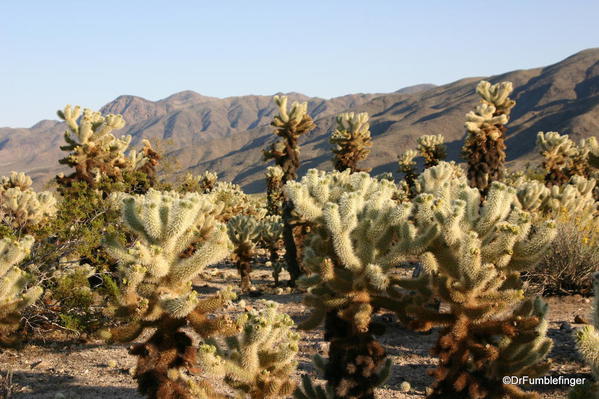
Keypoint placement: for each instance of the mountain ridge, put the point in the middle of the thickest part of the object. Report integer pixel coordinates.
(227, 134)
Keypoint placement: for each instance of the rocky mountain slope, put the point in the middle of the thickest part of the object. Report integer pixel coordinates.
(227, 135)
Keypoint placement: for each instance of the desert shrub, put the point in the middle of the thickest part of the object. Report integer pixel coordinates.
(350, 141)
(568, 265)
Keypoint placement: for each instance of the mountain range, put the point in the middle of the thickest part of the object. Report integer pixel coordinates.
(227, 134)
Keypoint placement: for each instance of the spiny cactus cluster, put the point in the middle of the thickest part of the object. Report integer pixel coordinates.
(562, 158)
(490, 329)
(587, 341)
(22, 208)
(233, 201)
(484, 147)
(14, 294)
(156, 284)
(433, 149)
(359, 234)
(574, 197)
(351, 141)
(94, 152)
(258, 362)
(244, 232)
(202, 184)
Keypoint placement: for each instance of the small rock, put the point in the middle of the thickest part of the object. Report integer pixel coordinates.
(565, 326)
(587, 300)
(405, 387)
(59, 395)
(578, 319)
(112, 363)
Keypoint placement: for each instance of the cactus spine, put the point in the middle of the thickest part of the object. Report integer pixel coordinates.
(244, 232)
(14, 297)
(490, 329)
(484, 147)
(259, 361)
(351, 141)
(587, 341)
(358, 235)
(156, 284)
(289, 126)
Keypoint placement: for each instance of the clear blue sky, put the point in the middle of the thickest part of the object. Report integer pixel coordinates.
(89, 52)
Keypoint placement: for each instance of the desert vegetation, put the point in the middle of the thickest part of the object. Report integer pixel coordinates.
(460, 255)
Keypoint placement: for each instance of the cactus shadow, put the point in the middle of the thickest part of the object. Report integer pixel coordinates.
(43, 385)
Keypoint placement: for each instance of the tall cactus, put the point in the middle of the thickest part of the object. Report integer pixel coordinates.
(13, 281)
(259, 361)
(358, 235)
(587, 341)
(350, 141)
(289, 126)
(274, 190)
(484, 147)
(244, 232)
(489, 329)
(156, 290)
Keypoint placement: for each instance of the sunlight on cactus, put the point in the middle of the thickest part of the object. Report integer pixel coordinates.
(244, 233)
(14, 294)
(258, 362)
(351, 141)
(490, 328)
(432, 149)
(156, 275)
(484, 147)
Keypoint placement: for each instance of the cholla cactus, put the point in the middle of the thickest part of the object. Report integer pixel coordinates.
(244, 232)
(575, 197)
(587, 341)
(94, 152)
(358, 235)
(432, 149)
(234, 201)
(203, 183)
(271, 233)
(260, 361)
(350, 141)
(562, 158)
(20, 206)
(274, 190)
(407, 166)
(13, 281)
(289, 126)
(156, 290)
(490, 329)
(484, 147)
(16, 179)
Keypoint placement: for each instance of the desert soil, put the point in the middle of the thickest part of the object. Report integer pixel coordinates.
(60, 367)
